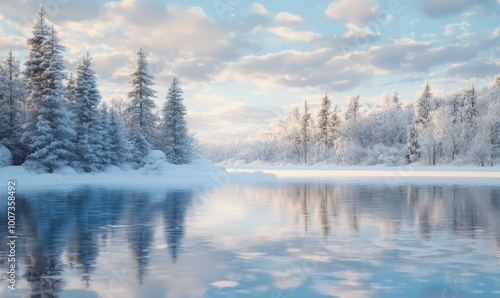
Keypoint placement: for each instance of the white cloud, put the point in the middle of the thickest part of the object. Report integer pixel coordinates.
(231, 121)
(289, 34)
(358, 11)
(444, 8)
(286, 17)
(451, 29)
(259, 9)
(358, 31)
(297, 69)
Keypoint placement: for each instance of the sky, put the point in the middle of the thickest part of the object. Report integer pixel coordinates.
(244, 63)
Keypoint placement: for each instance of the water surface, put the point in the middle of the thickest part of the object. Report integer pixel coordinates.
(275, 240)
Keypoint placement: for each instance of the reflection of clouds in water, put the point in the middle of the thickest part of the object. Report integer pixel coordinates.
(352, 284)
(252, 240)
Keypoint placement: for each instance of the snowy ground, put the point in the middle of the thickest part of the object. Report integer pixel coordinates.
(366, 174)
(205, 173)
(199, 173)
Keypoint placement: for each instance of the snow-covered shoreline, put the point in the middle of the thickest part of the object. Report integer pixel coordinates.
(368, 174)
(198, 173)
(202, 173)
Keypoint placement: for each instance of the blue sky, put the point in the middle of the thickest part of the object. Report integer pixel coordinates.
(243, 62)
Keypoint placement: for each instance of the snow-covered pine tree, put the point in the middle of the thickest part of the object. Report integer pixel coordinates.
(70, 95)
(469, 109)
(423, 106)
(105, 128)
(139, 147)
(140, 113)
(323, 120)
(49, 130)
(304, 130)
(87, 118)
(412, 147)
(353, 108)
(176, 141)
(116, 136)
(12, 99)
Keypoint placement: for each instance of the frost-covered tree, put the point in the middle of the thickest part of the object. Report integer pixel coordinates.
(353, 108)
(140, 113)
(305, 127)
(175, 140)
(12, 99)
(89, 133)
(423, 105)
(48, 131)
(139, 147)
(412, 147)
(323, 122)
(70, 95)
(116, 136)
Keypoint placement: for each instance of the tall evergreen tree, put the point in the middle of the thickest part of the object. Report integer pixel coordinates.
(323, 120)
(176, 140)
(412, 147)
(353, 108)
(116, 135)
(423, 106)
(88, 145)
(12, 98)
(48, 131)
(140, 111)
(304, 129)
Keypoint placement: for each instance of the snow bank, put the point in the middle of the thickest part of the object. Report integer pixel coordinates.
(156, 173)
(5, 156)
(404, 174)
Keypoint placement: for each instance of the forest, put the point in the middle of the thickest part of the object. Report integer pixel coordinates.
(51, 118)
(457, 129)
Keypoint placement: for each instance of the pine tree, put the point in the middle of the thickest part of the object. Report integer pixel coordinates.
(176, 142)
(304, 129)
(119, 149)
(87, 118)
(139, 146)
(106, 157)
(48, 132)
(469, 109)
(353, 108)
(12, 98)
(412, 147)
(323, 120)
(423, 106)
(140, 112)
(70, 94)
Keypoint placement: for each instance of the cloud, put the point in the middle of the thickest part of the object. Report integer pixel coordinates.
(450, 29)
(436, 9)
(23, 11)
(231, 121)
(297, 69)
(289, 34)
(478, 68)
(286, 17)
(10, 42)
(259, 9)
(358, 11)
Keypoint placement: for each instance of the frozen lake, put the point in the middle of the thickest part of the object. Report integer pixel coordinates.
(274, 240)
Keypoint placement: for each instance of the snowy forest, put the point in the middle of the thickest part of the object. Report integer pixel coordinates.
(50, 119)
(461, 128)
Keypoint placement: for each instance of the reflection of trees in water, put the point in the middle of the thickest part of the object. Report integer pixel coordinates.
(140, 234)
(174, 209)
(464, 210)
(76, 222)
(56, 221)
